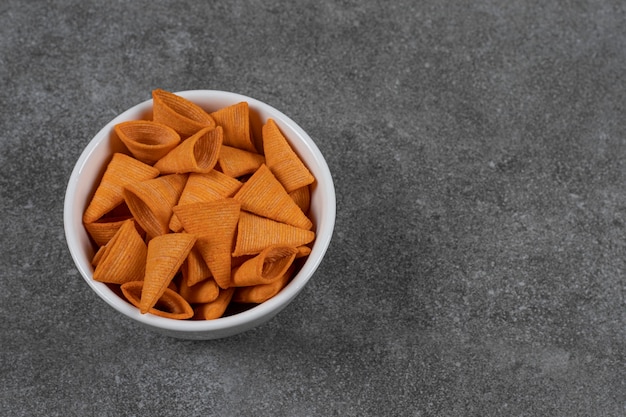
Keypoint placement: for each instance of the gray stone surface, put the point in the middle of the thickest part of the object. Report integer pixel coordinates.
(478, 266)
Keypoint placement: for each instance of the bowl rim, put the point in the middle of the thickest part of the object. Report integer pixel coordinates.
(270, 307)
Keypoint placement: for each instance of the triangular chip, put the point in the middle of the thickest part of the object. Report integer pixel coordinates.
(235, 121)
(180, 114)
(201, 292)
(101, 231)
(123, 259)
(214, 223)
(303, 251)
(236, 162)
(302, 197)
(205, 187)
(216, 308)
(255, 233)
(266, 267)
(146, 140)
(257, 294)
(121, 170)
(197, 153)
(263, 194)
(282, 160)
(151, 202)
(166, 254)
(97, 256)
(194, 268)
(170, 305)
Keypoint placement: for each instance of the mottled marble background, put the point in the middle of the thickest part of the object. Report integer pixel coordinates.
(478, 265)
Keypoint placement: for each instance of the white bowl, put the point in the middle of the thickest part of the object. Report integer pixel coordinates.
(90, 167)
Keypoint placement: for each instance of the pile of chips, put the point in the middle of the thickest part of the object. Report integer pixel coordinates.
(194, 218)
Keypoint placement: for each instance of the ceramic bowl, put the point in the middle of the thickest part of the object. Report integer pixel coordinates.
(90, 167)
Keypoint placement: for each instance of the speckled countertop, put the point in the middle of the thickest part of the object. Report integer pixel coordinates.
(478, 265)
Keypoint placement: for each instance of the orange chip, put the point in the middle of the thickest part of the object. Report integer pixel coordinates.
(236, 162)
(257, 294)
(151, 202)
(170, 305)
(205, 187)
(123, 259)
(101, 231)
(303, 251)
(235, 120)
(282, 160)
(266, 267)
(148, 141)
(164, 258)
(197, 153)
(97, 256)
(255, 233)
(202, 292)
(194, 268)
(302, 197)
(121, 170)
(263, 194)
(214, 223)
(180, 114)
(216, 308)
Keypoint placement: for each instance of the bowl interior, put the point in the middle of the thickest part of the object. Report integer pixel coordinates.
(90, 168)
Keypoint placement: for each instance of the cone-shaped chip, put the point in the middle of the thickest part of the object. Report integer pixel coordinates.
(166, 254)
(255, 233)
(197, 153)
(121, 170)
(263, 194)
(214, 223)
(123, 259)
(205, 187)
(148, 141)
(236, 162)
(151, 202)
(170, 305)
(282, 160)
(180, 114)
(266, 267)
(235, 120)
(216, 308)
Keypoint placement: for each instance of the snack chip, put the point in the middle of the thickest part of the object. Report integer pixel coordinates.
(235, 120)
(282, 160)
(257, 294)
(195, 269)
(123, 258)
(302, 197)
(269, 265)
(214, 224)
(255, 233)
(180, 114)
(198, 153)
(170, 305)
(236, 162)
(262, 194)
(201, 292)
(216, 308)
(151, 202)
(101, 231)
(146, 140)
(121, 170)
(165, 255)
(203, 188)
